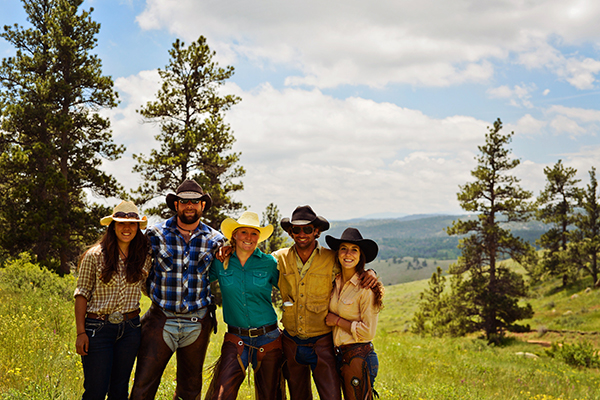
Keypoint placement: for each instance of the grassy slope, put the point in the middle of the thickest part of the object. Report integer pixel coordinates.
(37, 360)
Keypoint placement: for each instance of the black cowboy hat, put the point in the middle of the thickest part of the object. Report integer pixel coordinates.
(304, 215)
(189, 189)
(352, 235)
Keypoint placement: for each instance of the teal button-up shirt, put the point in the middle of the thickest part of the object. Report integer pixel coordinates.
(247, 290)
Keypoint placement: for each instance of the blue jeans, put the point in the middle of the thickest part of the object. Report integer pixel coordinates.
(111, 354)
(373, 366)
(256, 342)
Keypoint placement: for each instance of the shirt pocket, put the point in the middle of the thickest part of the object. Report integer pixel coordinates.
(318, 287)
(226, 277)
(164, 258)
(260, 278)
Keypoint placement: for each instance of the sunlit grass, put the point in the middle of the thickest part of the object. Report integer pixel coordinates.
(38, 359)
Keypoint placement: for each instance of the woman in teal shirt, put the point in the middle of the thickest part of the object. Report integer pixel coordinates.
(246, 279)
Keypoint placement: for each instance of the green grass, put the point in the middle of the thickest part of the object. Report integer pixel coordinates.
(38, 361)
(392, 273)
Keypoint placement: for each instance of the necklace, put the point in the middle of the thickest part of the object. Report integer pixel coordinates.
(123, 254)
(189, 231)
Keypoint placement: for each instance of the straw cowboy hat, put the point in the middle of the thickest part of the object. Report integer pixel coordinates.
(248, 219)
(189, 189)
(125, 212)
(351, 235)
(304, 215)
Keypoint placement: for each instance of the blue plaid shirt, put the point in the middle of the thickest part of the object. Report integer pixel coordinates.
(178, 281)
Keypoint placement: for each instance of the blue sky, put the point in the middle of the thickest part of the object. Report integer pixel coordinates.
(361, 108)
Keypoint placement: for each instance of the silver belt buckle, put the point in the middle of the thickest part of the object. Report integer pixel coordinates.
(116, 317)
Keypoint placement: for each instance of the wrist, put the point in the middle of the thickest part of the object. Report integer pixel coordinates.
(81, 333)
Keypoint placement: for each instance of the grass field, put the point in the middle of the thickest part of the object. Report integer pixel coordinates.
(38, 361)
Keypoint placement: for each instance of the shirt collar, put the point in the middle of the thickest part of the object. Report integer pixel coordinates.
(318, 248)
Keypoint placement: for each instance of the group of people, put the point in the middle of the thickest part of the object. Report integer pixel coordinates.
(330, 305)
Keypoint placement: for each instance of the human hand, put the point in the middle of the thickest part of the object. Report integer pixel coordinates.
(224, 252)
(82, 344)
(332, 319)
(368, 279)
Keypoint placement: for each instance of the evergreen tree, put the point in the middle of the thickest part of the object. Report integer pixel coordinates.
(279, 238)
(195, 142)
(490, 290)
(556, 206)
(52, 138)
(584, 249)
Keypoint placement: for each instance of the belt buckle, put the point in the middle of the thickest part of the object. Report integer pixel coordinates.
(250, 332)
(116, 317)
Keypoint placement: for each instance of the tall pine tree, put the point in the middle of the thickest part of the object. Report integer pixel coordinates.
(557, 204)
(195, 142)
(53, 139)
(584, 249)
(489, 290)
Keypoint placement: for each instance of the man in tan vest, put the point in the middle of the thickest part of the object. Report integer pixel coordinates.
(306, 274)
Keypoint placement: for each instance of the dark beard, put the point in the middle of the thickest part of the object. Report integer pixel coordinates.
(188, 219)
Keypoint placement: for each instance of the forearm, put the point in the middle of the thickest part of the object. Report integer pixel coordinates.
(80, 311)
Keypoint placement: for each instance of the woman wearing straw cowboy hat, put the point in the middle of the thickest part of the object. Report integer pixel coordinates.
(246, 279)
(353, 314)
(107, 303)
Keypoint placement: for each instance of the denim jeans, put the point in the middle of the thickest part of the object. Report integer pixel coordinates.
(111, 354)
(256, 342)
(306, 355)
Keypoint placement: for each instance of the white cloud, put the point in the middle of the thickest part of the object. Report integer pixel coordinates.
(425, 43)
(519, 95)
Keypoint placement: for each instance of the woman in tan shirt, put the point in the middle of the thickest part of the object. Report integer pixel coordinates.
(107, 303)
(353, 312)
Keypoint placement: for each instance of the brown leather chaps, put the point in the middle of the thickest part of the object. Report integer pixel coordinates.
(154, 355)
(230, 371)
(325, 373)
(356, 383)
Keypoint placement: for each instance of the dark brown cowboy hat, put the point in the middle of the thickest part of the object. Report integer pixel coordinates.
(352, 235)
(304, 215)
(189, 189)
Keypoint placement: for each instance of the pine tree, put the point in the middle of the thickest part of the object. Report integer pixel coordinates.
(584, 249)
(556, 206)
(52, 138)
(195, 142)
(279, 238)
(491, 291)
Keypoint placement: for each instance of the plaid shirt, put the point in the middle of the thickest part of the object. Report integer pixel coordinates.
(105, 298)
(179, 280)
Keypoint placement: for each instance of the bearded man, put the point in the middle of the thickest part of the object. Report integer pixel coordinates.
(180, 318)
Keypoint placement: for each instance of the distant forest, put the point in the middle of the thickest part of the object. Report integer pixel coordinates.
(421, 236)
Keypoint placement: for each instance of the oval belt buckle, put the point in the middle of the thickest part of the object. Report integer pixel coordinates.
(116, 317)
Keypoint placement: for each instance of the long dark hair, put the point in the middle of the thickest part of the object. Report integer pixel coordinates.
(136, 258)
(378, 289)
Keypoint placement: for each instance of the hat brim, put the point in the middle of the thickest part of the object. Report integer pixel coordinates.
(172, 198)
(229, 225)
(321, 223)
(367, 246)
(109, 218)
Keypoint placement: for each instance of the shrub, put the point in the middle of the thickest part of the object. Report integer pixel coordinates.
(577, 355)
(22, 275)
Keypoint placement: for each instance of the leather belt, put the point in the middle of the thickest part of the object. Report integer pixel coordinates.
(112, 318)
(253, 332)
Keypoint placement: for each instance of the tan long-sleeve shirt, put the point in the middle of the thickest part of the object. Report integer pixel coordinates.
(353, 303)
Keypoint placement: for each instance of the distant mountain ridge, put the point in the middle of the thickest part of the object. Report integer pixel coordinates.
(422, 235)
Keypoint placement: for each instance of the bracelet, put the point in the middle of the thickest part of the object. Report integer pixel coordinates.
(338, 320)
(81, 333)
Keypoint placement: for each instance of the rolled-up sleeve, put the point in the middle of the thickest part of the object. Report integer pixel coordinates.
(363, 330)
(86, 279)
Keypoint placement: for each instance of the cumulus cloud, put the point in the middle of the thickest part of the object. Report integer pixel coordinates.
(518, 96)
(425, 43)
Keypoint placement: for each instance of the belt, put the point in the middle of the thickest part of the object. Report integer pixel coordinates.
(253, 332)
(116, 317)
